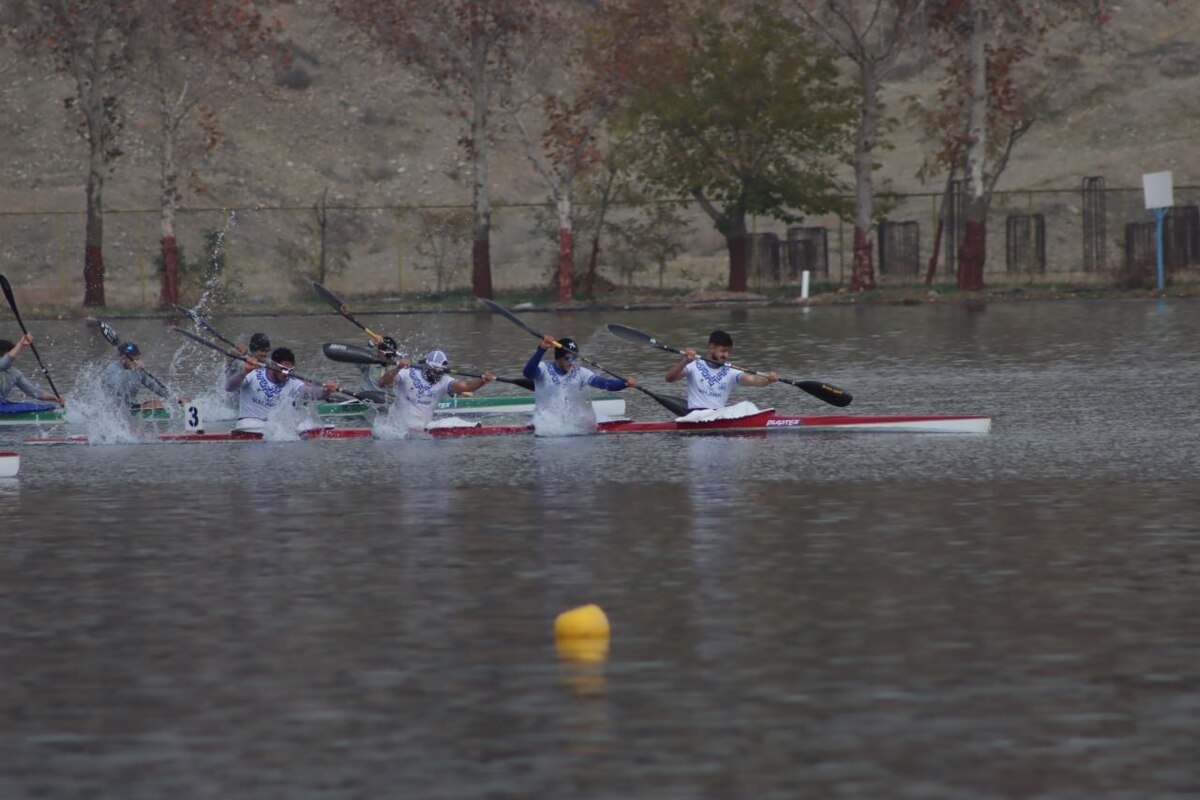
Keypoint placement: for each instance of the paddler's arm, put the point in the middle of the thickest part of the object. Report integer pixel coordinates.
(746, 379)
(150, 383)
(464, 385)
(389, 378)
(238, 378)
(610, 384)
(531, 368)
(676, 372)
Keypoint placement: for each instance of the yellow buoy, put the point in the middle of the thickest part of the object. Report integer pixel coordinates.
(585, 622)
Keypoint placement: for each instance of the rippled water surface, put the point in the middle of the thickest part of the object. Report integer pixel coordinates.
(793, 615)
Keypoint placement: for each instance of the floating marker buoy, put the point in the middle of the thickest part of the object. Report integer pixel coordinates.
(585, 622)
(10, 465)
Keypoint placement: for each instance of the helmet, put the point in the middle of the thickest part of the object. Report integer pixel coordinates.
(435, 358)
(259, 341)
(129, 350)
(568, 348)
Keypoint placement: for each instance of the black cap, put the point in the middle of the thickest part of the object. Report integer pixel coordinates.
(568, 346)
(259, 341)
(129, 350)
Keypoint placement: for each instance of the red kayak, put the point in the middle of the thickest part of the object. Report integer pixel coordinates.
(762, 422)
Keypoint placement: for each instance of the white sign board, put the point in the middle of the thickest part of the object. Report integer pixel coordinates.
(1159, 191)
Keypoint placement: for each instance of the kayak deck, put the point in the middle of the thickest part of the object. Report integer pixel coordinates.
(349, 410)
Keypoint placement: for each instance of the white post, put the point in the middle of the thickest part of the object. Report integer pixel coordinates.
(804, 284)
(1160, 196)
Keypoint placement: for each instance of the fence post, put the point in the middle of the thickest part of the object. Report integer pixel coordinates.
(399, 252)
(142, 255)
(62, 256)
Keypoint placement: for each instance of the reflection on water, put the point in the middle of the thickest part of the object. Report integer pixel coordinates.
(797, 615)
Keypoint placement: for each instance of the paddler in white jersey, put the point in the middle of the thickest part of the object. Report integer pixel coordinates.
(420, 387)
(262, 389)
(259, 348)
(709, 379)
(560, 403)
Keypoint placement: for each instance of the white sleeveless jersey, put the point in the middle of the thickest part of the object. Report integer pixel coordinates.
(708, 386)
(417, 398)
(560, 402)
(259, 395)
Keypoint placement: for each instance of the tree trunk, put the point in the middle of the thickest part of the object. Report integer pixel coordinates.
(973, 250)
(481, 227)
(566, 252)
(737, 242)
(93, 251)
(168, 294)
(862, 276)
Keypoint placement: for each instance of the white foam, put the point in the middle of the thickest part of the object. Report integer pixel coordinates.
(735, 411)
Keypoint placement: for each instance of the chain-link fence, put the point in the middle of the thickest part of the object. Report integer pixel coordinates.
(1091, 234)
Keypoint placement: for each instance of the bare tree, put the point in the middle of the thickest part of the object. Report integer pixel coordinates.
(467, 49)
(190, 53)
(871, 34)
(87, 40)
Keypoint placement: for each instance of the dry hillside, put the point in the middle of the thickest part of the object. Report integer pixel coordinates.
(348, 121)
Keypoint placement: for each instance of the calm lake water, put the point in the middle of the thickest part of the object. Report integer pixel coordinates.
(800, 615)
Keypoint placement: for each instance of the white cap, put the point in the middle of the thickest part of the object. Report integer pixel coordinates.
(436, 358)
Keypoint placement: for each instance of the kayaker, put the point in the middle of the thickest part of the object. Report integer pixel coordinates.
(11, 377)
(124, 378)
(259, 347)
(559, 388)
(370, 374)
(419, 387)
(709, 378)
(264, 388)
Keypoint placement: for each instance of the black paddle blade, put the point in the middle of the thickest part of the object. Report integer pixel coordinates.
(676, 405)
(823, 391)
(333, 300)
(510, 316)
(110, 334)
(8, 295)
(637, 337)
(351, 354)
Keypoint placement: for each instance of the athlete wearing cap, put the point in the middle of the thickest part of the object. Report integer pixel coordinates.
(11, 378)
(559, 386)
(124, 379)
(419, 387)
(262, 389)
(259, 347)
(710, 379)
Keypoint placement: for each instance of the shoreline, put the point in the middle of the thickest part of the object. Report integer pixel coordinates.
(538, 300)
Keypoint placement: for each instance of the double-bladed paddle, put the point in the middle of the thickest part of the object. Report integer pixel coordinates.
(287, 371)
(822, 391)
(676, 405)
(343, 309)
(205, 325)
(12, 303)
(350, 354)
(115, 341)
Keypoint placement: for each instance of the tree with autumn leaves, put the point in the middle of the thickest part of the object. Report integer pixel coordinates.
(746, 115)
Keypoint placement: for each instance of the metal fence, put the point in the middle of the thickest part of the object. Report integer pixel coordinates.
(1087, 234)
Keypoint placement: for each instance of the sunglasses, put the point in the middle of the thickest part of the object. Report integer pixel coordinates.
(570, 359)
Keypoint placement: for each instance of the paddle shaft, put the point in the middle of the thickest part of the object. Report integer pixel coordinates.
(343, 309)
(115, 341)
(205, 325)
(12, 303)
(351, 354)
(675, 405)
(818, 389)
(287, 371)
